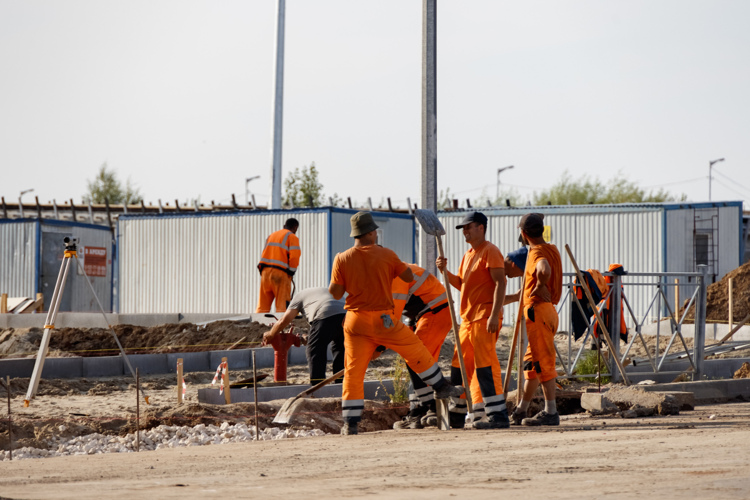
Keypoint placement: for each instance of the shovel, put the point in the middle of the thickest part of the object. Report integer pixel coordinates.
(431, 225)
(288, 409)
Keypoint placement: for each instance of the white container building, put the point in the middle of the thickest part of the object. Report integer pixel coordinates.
(207, 262)
(644, 238)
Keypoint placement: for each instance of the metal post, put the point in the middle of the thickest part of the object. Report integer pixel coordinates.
(427, 244)
(699, 338)
(278, 108)
(615, 312)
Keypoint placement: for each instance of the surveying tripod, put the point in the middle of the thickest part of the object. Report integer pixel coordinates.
(71, 246)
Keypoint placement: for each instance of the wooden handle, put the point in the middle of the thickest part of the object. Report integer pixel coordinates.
(322, 383)
(519, 318)
(454, 324)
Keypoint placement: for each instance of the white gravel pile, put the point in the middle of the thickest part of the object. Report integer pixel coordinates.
(164, 436)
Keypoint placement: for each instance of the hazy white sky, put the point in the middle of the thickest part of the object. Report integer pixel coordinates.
(177, 95)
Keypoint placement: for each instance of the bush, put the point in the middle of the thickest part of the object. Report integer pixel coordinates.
(587, 365)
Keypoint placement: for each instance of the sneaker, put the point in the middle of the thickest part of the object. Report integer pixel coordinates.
(409, 421)
(449, 391)
(430, 419)
(542, 418)
(494, 421)
(457, 420)
(349, 429)
(516, 417)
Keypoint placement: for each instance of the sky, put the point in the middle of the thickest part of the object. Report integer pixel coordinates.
(177, 96)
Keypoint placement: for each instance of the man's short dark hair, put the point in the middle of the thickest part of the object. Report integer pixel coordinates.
(291, 224)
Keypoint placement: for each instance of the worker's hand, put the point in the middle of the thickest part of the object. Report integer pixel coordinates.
(267, 338)
(512, 297)
(493, 325)
(542, 292)
(441, 263)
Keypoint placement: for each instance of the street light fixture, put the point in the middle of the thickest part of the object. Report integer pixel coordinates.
(499, 171)
(247, 181)
(710, 166)
(20, 204)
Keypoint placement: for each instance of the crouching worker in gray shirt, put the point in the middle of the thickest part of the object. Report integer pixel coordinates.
(326, 317)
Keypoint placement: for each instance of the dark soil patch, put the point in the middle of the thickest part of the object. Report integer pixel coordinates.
(717, 297)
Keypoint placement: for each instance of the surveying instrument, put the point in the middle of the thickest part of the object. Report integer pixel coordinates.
(71, 252)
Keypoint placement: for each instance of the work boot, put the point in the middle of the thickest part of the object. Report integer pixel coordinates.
(457, 420)
(542, 418)
(446, 390)
(349, 429)
(412, 420)
(494, 421)
(517, 417)
(430, 419)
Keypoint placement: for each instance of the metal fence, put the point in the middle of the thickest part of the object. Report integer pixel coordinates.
(615, 301)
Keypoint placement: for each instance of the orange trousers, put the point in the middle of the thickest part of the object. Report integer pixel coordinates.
(432, 329)
(364, 331)
(274, 284)
(478, 346)
(540, 356)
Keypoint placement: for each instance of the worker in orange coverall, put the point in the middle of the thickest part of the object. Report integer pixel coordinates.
(425, 304)
(366, 272)
(541, 291)
(277, 266)
(481, 279)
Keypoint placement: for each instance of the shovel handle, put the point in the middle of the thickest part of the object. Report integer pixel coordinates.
(454, 325)
(322, 383)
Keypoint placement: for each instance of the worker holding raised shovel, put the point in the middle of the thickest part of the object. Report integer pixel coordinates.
(481, 279)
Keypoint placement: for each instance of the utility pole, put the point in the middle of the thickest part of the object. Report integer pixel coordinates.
(499, 171)
(711, 166)
(278, 108)
(427, 244)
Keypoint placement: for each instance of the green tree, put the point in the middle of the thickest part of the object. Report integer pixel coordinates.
(583, 191)
(106, 187)
(302, 188)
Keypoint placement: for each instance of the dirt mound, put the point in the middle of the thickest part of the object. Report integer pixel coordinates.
(175, 337)
(717, 297)
(743, 372)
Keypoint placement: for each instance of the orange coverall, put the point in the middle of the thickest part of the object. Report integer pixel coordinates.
(478, 345)
(367, 274)
(433, 320)
(277, 265)
(541, 317)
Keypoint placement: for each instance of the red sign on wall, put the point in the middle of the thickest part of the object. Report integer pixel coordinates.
(95, 261)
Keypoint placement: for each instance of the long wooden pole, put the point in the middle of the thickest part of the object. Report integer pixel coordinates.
(605, 332)
(137, 411)
(516, 331)
(255, 396)
(454, 325)
(10, 423)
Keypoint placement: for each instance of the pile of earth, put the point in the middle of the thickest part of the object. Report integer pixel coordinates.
(717, 297)
(175, 337)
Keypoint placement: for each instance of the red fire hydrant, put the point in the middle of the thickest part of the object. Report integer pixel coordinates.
(281, 344)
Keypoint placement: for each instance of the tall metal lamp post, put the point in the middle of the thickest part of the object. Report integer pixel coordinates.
(247, 181)
(499, 171)
(710, 166)
(20, 203)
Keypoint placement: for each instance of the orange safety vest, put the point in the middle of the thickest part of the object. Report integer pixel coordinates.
(282, 251)
(425, 287)
(606, 311)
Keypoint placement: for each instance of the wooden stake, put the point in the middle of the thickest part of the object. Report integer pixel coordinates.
(39, 302)
(255, 396)
(516, 331)
(225, 378)
(731, 302)
(10, 423)
(179, 381)
(4, 303)
(734, 330)
(236, 343)
(137, 411)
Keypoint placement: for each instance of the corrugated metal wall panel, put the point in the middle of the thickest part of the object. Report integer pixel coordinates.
(18, 241)
(631, 238)
(730, 233)
(208, 262)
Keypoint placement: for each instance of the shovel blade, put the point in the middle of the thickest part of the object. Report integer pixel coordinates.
(286, 412)
(429, 222)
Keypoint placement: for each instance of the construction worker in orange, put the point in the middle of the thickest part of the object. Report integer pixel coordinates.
(481, 279)
(425, 305)
(366, 272)
(277, 266)
(541, 291)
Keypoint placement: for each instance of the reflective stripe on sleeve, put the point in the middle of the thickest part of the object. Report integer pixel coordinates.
(419, 282)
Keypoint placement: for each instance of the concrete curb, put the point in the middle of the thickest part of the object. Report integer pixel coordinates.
(373, 390)
(147, 364)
